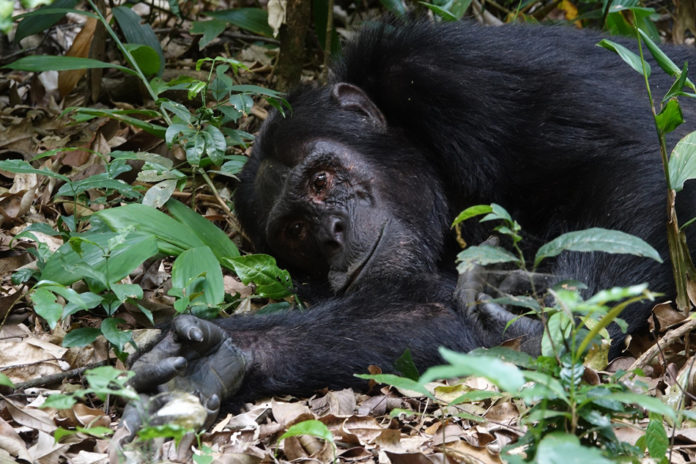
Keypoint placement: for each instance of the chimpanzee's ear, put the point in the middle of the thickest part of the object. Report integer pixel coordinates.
(353, 98)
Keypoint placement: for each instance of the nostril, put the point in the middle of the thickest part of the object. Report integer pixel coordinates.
(338, 227)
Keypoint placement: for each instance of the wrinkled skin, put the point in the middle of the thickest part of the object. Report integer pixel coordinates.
(354, 192)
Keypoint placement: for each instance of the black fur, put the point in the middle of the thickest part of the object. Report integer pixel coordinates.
(537, 119)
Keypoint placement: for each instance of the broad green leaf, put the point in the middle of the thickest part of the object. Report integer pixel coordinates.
(616, 293)
(115, 336)
(82, 336)
(59, 402)
(405, 365)
(198, 262)
(646, 402)
(682, 162)
(45, 305)
(66, 266)
(271, 281)
(564, 448)
(43, 18)
(546, 382)
(597, 239)
(207, 232)
(252, 19)
(174, 236)
(233, 165)
(22, 167)
(656, 437)
(178, 109)
(627, 55)
(98, 182)
(160, 193)
(670, 117)
(40, 63)
(215, 144)
(402, 383)
(505, 375)
(483, 255)
(314, 428)
(126, 291)
(210, 30)
(145, 57)
(472, 211)
(137, 32)
(522, 301)
(552, 340)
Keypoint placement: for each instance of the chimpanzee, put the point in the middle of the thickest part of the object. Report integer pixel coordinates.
(356, 188)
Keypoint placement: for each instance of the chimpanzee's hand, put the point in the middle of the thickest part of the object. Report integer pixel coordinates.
(491, 320)
(196, 356)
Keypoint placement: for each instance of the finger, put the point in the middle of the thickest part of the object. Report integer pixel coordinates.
(198, 331)
(148, 376)
(132, 418)
(212, 408)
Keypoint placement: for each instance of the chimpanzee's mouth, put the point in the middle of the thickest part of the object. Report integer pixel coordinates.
(355, 272)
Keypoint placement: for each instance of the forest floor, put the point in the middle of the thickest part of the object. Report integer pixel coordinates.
(385, 424)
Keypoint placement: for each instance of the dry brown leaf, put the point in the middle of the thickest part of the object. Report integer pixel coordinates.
(11, 442)
(46, 450)
(85, 457)
(67, 80)
(288, 413)
(461, 451)
(337, 403)
(667, 316)
(504, 411)
(30, 417)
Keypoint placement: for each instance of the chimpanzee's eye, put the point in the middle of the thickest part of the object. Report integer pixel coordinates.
(296, 230)
(319, 181)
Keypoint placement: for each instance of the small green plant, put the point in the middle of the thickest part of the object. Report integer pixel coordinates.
(680, 165)
(565, 415)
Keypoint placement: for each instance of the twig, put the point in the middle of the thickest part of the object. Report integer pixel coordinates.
(669, 338)
(59, 377)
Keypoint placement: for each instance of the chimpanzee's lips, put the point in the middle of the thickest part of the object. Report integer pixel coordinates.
(355, 272)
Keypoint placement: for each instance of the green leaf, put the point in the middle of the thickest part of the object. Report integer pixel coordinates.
(22, 167)
(646, 402)
(207, 232)
(597, 239)
(271, 281)
(483, 255)
(627, 55)
(395, 6)
(406, 366)
(122, 115)
(210, 30)
(160, 193)
(563, 448)
(173, 236)
(215, 144)
(115, 336)
(98, 182)
(670, 117)
(402, 383)
(663, 60)
(472, 211)
(543, 383)
(45, 305)
(66, 266)
(194, 263)
(233, 165)
(59, 402)
(656, 438)
(145, 57)
(82, 336)
(309, 427)
(682, 162)
(251, 19)
(40, 20)
(126, 291)
(40, 63)
(505, 375)
(5, 380)
(137, 32)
